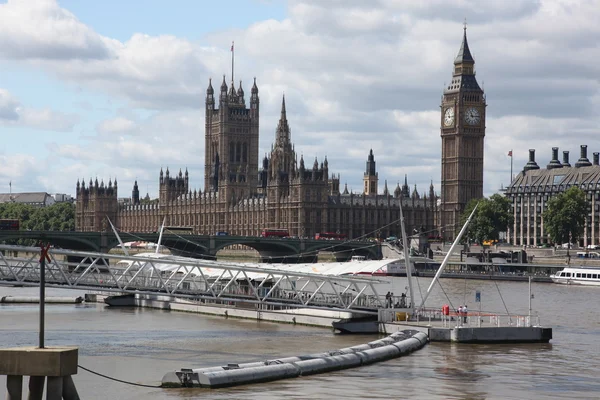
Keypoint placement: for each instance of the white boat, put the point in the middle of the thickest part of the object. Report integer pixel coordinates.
(578, 276)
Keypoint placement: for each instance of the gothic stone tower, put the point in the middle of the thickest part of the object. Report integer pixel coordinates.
(463, 131)
(370, 178)
(231, 142)
(94, 204)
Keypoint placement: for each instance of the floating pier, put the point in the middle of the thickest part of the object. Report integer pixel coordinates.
(36, 300)
(393, 346)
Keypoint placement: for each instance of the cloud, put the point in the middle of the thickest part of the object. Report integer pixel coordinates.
(357, 75)
(117, 125)
(12, 113)
(42, 30)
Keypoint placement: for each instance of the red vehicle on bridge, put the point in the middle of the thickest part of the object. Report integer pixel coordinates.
(275, 233)
(9, 224)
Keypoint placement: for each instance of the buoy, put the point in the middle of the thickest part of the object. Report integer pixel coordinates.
(446, 309)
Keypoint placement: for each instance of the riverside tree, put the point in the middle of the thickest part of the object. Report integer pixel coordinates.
(564, 217)
(492, 217)
(57, 217)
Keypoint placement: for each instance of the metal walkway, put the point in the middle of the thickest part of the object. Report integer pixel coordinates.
(217, 282)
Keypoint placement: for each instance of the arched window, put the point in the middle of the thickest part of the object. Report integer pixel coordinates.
(238, 153)
(231, 152)
(245, 152)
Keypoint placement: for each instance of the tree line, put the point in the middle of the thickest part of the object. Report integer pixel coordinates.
(57, 217)
(564, 217)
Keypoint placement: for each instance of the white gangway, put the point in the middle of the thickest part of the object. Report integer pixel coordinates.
(331, 286)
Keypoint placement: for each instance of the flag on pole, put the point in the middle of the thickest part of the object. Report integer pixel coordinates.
(510, 153)
(231, 46)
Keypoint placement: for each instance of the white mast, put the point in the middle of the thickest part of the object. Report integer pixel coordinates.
(441, 268)
(407, 263)
(118, 237)
(162, 228)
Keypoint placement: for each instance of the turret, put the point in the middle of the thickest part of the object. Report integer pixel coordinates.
(135, 194)
(554, 163)
(254, 101)
(583, 160)
(565, 162)
(531, 164)
(210, 98)
(223, 97)
(240, 94)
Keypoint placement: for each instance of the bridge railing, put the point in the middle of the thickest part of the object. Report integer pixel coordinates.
(190, 278)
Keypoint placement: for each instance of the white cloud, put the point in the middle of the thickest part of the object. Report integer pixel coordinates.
(118, 125)
(41, 30)
(12, 113)
(357, 75)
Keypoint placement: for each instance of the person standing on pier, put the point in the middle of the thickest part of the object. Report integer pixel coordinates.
(465, 310)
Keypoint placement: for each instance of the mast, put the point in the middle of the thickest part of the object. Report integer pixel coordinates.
(407, 263)
(441, 268)
(118, 237)
(162, 228)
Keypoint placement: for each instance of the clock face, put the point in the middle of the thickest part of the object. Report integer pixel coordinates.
(472, 116)
(449, 116)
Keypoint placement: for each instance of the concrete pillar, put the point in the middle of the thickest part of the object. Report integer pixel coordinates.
(69, 391)
(54, 388)
(36, 387)
(14, 386)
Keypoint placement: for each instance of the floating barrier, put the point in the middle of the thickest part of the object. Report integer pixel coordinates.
(395, 345)
(36, 300)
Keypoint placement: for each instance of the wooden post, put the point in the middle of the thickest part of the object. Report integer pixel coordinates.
(14, 386)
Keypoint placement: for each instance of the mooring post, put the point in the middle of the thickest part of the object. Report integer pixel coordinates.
(68, 390)
(14, 386)
(36, 387)
(54, 388)
(43, 257)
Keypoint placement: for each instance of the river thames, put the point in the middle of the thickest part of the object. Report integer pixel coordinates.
(141, 345)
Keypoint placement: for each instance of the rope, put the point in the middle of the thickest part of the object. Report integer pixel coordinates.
(115, 379)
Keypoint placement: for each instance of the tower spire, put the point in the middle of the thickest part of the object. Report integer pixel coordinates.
(232, 59)
(464, 54)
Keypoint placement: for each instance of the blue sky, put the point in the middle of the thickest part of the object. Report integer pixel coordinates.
(116, 88)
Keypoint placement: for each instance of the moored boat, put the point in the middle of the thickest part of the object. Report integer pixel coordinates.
(578, 276)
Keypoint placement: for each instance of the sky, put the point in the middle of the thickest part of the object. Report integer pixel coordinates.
(115, 89)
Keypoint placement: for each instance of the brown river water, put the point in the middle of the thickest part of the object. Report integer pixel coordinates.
(141, 345)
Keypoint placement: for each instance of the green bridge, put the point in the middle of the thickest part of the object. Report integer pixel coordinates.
(284, 250)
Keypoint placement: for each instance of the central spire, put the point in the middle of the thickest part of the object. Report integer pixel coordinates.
(464, 54)
(283, 129)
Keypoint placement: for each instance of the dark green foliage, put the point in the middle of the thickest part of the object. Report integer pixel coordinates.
(564, 218)
(492, 217)
(57, 217)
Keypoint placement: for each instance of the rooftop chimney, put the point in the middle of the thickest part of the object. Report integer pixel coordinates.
(554, 163)
(565, 162)
(583, 160)
(596, 158)
(531, 164)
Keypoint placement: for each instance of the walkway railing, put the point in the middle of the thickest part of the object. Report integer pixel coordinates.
(434, 316)
(217, 282)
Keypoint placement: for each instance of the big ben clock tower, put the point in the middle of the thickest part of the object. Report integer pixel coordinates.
(463, 131)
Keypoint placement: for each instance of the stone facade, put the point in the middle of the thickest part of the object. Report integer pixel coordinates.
(242, 199)
(462, 131)
(531, 189)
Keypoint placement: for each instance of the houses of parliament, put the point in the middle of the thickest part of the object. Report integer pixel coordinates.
(242, 196)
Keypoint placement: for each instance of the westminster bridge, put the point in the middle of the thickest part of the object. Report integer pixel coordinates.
(270, 249)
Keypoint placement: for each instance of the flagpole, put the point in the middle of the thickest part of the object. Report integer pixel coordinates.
(511, 167)
(232, 58)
